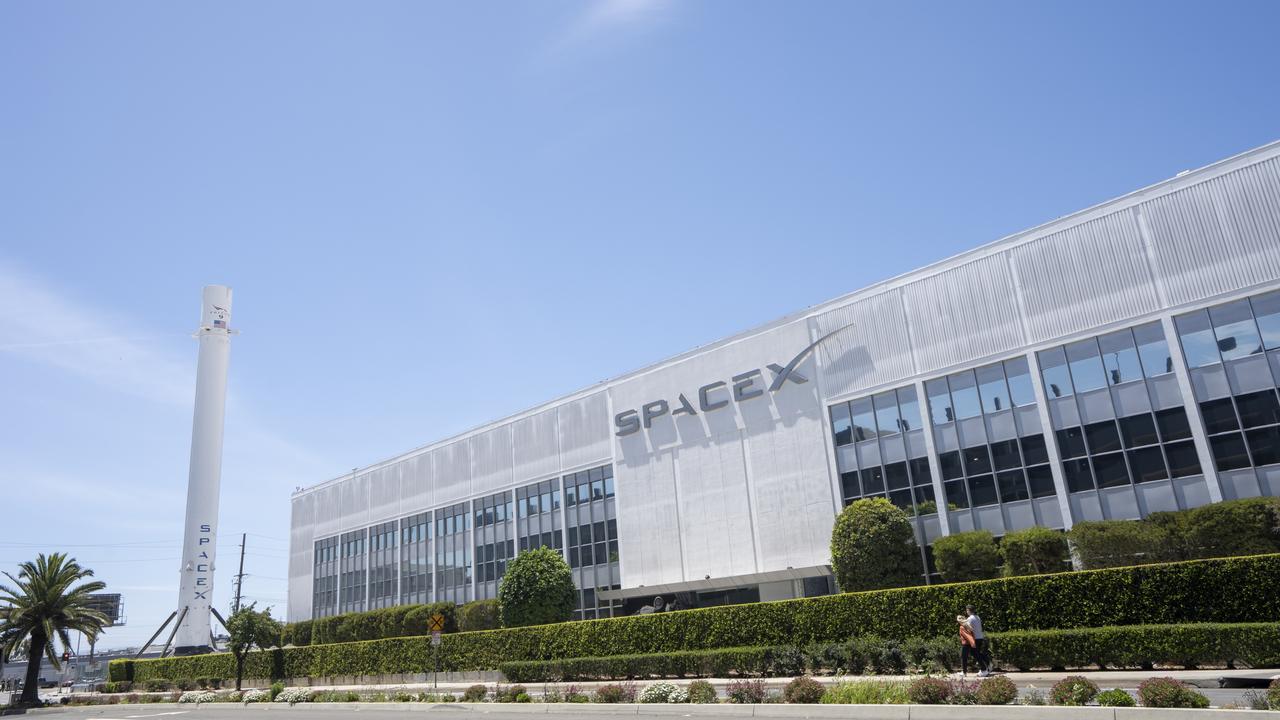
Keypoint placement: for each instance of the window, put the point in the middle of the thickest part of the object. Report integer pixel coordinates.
(841, 426)
(1071, 442)
(1235, 331)
(849, 487)
(1033, 449)
(1138, 430)
(976, 460)
(1264, 445)
(1120, 357)
(1219, 416)
(1110, 471)
(1004, 455)
(1259, 408)
(992, 388)
(1057, 378)
(964, 393)
(1153, 350)
(1013, 486)
(1183, 460)
(864, 420)
(887, 419)
(956, 494)
(1086, 365)
(1229, 451)
(910, 409)
(1147, 464)
(1040, 480)
(1173, 424)
(1266, 308)
(939, 401)
(1077, 475)
(896, 476)
(1020, 390)
(873, 480)
(1198, 342)
(982, 490)
(1102, 436)
(949, 463)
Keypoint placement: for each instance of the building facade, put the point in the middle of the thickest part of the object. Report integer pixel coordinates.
(1116, 362)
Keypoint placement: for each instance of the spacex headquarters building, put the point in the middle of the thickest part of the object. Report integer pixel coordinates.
(1112, 363)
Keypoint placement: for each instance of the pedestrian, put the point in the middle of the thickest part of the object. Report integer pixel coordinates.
(967, 646)
(981, 646)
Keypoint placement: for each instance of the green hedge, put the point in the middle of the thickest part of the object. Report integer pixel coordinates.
(1187, 645)
(1223, 529)
(1226, 590)
(398, 621)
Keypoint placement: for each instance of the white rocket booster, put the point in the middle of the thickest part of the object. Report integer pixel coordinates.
(199, 545)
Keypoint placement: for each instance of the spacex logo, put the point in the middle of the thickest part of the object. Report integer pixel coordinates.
(718, 394)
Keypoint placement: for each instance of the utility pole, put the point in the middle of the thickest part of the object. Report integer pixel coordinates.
(235, 608)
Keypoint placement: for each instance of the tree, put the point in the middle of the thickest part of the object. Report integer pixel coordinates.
(1118, 543)
(248, 629)
(479, 615)
(873, 546)
(1035, 551)
(537, 589)
(45, 604)
(967, 556)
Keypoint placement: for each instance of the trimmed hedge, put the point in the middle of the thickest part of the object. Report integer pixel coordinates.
(1187, 645)
(1226, 590)
(1224, 529)
(398, 621)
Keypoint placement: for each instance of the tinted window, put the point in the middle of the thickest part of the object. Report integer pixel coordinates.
(1120, 357)
(872, 481)
(1153, 350)
(949, 464)
(1147, 464)
(992, 388)
(1071, 442)
(1102, 436)
(956, 493)
(1086, 365)
(1173, 424)
(1229, 451)
(1182, 459)
(1219, 416)
(920, 471)
(939, 401)
(1110, 471)
(982, 490)
(1004, 455)
(1040, 478)
(1077, 475)
(964, 393)
(924, 494)
(1020, 390)
(1258, 408)
(896, 475)
(976, 460)
(1233, 326)
(1198, 343)
(902, 498)
(1012, 486)
(1265, 445)
(910, 408)
(1033, 449)
(1138, 430)
(864, 419)
(1057, 378)
(1266, 308)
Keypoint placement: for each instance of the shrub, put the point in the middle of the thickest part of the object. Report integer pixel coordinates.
(745, 692)
(702, 692)
(276, 688)
(867, 692)
(1273, 694)
(479, 615)
(157, 685)
(786, 661)
(1115, 698)
(967, 556)
(257, 696)
(297, 634)
(1118, 543)
(1169, 693)
(1190, 645)
(293, 696)
(1228, 590)
(998, 690)
(1236, 527)
(537, 589)
(803, 689)
(398, 621)
(475, 693)
(657, 693)
(929, 691)
(198, 696)
(963, 692)
(509, 693)
(1073, 690)
(1035, 551)
(873, 546)
(679, 695)
(616, 693)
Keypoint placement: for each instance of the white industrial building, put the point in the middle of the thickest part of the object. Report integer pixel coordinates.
(1112, 363)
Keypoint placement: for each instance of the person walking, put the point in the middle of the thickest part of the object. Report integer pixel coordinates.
(981, 647)
(967, 646)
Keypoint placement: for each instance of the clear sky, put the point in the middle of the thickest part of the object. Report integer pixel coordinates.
(436, 214)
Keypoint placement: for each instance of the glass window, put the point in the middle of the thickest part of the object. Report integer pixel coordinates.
(1012, 485)
(597, 489)
(1198, 343)
(1219, 416)
(920, 474)
(1071, 442)
(1057, 378)
(887, 413)
(992, 388)
(1173, 424)
(571, 491)
(872, 481)
(1229, 452)
(1234, 328)
(1077, 475)
(1138, 430)
(848, 485)
(1033, 449)
(1040, 478)
(1183, 460)
(608, 486)
(910, 408)
(1020, 390)
(1004, 455)
(1110, 471)
(982, 490)
(896, 475)
(1102, 436)
(902, 499)
(1086, 365)
(925, 499)
(939, 401)
(1266, 308)
(956, 495)
(1265, 445)
(1147, 464)
(1153, 349)
(964, 393)
(976, 460)
(864, 419)
(949, 464)
(1120, 357)
(841, 425)
(1258, 408)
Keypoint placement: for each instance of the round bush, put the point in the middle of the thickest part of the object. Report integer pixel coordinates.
(1273, 694)
(873, 546)
(701, 691)
(475, 693)
(679, 695)
(1169, 693)
(1115, 698)
(746, 692)
(657, 693)
(998, 690)
(1073, 690)
(616, 693)
(967, 556)
(803, 690)
(537, 589)
(929, 691)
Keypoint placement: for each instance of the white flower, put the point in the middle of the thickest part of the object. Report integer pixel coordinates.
(657, 692)
(198, 696)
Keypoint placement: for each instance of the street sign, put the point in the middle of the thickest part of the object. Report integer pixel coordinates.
(435, 637)
(436, 624)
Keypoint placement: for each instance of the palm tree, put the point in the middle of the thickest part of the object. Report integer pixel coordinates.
(42, 605)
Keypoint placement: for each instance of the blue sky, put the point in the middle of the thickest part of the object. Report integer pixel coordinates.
(437, 214)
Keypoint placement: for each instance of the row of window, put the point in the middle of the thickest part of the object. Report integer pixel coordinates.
(1243, 430)
(1230, 331)
(1135, 449)
(588, 485)
(894, 481)
(985, 390)
(593, 544)
(491, 560)
(494, 509)
(1111, 359)
(888, 413)
(1002, 471)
